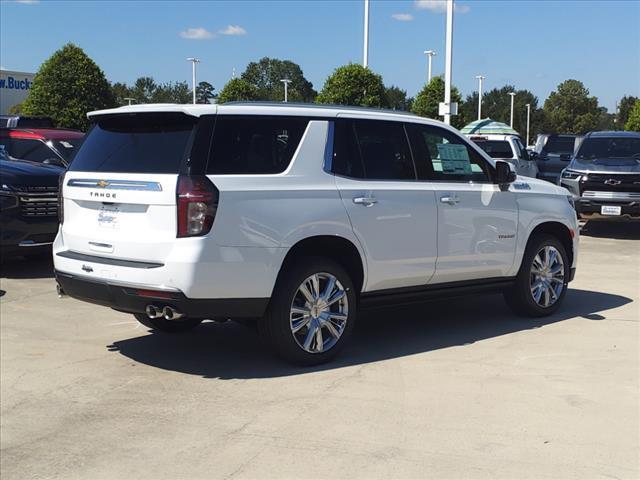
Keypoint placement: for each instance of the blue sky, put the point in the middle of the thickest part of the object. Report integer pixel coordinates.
(531, 44)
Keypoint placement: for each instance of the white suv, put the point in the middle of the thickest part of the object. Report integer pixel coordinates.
(510, 149)
(299, 216)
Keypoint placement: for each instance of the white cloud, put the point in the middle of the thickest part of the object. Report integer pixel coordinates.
(439, 6)
(233, 30)
(198, 33)
(402, 17)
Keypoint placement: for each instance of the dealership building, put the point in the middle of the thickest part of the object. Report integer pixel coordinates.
(14, 87)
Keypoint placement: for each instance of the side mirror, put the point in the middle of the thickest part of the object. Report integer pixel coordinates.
(533, 155)
(504, 175)
(54, 161)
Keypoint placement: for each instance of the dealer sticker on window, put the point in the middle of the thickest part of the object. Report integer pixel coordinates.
(611, 210)
(454, 158)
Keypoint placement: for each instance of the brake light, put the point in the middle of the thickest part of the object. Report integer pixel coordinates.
(61, 198)
(197, 202)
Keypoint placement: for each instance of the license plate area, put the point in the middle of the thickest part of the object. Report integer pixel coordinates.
(108, 216)
(612, 210)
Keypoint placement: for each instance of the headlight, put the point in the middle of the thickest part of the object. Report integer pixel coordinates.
(570, 174)
(8, 197)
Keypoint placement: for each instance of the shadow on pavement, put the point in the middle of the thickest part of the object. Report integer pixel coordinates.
(230, 351)
(27, 267)
(619, 230)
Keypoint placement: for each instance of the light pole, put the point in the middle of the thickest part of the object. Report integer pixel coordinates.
(193, 75)
(513, 94)
(129, 99)
(447, 64)
(286, 82)
(480, 79)
(430, 54)
(365, 54)
(528, 120)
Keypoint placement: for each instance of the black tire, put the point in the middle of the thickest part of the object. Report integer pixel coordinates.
(275, 326)
(520, 297)
(167, 326)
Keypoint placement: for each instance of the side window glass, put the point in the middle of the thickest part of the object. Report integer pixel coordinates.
(442, 155)
(254, 144)
(384, 150)
(346, 155)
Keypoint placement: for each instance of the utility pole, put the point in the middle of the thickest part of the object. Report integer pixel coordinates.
(193, 75)
(513, 94)
(447, 64)
(480, 79)
(528, 121)
(129, 99)
(430, 54)
(365, 54)
(286, 82)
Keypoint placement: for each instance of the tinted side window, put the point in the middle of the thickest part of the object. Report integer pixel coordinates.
(254, 144)
(496, 148)
(442, 155)
(346, 152)
(28, 149)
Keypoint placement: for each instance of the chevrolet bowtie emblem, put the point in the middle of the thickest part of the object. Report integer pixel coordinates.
(102, 183)
(612, 181)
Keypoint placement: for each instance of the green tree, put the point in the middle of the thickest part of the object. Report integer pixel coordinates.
(428, 99)
(16, 109)
(204, 92)
(237, 89)
(496, 104)
(625, 106)
(396, 99)
(67, 86)
(143, 89)
(353, 84)
(633, 119)
(570, 109)
(120, 92)
(265, 76)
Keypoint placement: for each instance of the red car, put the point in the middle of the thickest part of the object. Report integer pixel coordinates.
(54, 146)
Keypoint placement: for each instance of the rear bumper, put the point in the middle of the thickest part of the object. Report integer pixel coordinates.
(126, 298)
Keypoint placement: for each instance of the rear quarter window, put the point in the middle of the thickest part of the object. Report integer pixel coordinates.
(138, 143)
(254, 144)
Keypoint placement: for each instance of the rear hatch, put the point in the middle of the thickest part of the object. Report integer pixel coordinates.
(120, 191)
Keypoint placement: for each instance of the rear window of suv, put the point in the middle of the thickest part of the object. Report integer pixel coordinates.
(561, 145)
(254, 144)
(496, 148)
(138, 143)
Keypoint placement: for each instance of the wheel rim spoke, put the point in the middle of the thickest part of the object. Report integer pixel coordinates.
(319, 313)
(547, 276)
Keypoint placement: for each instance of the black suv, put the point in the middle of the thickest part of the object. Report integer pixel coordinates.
(552, 154)
(28, 206)
(604, 175)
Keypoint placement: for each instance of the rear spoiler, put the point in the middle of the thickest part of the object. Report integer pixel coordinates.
(192, 110)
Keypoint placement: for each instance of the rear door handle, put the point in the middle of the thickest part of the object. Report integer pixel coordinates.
(451, 200)
(366, 201)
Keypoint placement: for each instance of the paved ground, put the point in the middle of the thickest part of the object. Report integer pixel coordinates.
(457, 389)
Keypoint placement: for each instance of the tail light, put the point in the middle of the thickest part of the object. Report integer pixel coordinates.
(197, 201)
(61, 198)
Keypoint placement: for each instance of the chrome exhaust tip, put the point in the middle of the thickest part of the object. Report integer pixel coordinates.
(153, 312)
(170, 313)
(60, 291)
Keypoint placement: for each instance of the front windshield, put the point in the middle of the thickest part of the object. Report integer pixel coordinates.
(612, 147)
(68, 147)
(559, 145)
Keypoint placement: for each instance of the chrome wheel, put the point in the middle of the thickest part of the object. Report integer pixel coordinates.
(319, 313)
(547, 276)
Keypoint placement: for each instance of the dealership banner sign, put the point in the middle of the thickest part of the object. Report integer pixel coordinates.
(14, 88)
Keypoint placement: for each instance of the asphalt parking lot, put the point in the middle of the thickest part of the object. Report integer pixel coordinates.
(457, 389)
